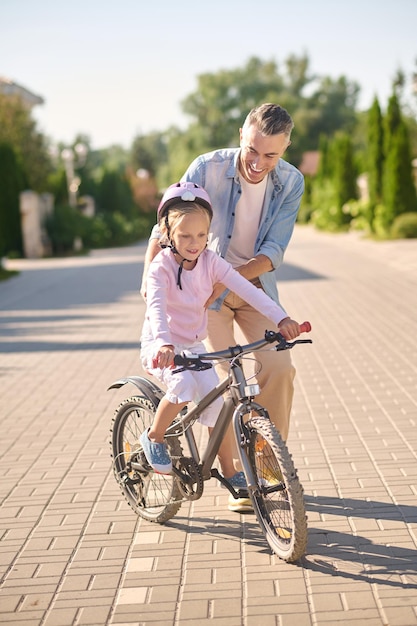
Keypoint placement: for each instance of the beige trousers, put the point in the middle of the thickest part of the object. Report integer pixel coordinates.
(237, 321)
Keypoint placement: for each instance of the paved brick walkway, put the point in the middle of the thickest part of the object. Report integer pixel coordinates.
(72, 551)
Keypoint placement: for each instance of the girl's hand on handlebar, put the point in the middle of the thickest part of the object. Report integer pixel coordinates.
(164, 357)
(289, 328)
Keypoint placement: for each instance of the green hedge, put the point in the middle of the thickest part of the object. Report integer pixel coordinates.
(104, 230)
(405, 226)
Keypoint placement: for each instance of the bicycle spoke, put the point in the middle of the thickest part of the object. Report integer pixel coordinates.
(278, 502)
(153, 496)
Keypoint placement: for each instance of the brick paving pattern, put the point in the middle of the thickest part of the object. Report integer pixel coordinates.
(73, 553)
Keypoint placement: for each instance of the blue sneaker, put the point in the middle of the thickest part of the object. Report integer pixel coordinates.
(238, 481)
(156, 454)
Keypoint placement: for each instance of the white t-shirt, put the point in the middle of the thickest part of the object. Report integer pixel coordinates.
(246, 226)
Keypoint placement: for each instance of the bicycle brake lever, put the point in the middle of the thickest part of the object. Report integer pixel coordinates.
(287, 345)
(191, 364)
(282, 343)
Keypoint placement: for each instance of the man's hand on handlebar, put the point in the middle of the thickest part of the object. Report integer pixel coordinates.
(289, 328)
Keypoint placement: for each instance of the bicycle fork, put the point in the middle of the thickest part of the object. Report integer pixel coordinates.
(242, 436)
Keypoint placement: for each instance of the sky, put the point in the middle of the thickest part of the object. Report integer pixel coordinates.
(114, 69)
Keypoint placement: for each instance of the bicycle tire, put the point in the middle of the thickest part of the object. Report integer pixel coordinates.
(278, 501)
(155, 497)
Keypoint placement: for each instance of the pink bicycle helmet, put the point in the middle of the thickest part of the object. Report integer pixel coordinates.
(183, 192)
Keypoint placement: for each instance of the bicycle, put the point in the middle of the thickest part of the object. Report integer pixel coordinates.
(272, 482)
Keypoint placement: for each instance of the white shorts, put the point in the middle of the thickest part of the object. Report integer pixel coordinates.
(186, 386)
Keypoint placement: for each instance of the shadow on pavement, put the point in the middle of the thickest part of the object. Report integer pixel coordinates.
(66, 287)
(224, 529)
(334, 553)
(357, 558)
(361, 508)
(293, 272)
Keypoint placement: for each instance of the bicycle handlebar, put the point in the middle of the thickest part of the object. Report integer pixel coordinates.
(196, 361)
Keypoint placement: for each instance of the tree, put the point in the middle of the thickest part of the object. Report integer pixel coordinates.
(11, 184)
(398, 188)
(375, 154)
(399, 192)
(392, 121)
(148, 152)
(325, 161)
(114, 194)
(297, 74)
(344, 174)
(221, 102)
(334, 103)
(18, 129)
(336, 186)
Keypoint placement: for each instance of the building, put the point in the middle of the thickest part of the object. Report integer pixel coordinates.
(10, 88)
(310, 163)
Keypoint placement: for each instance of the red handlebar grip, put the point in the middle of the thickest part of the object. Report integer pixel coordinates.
(305, 327)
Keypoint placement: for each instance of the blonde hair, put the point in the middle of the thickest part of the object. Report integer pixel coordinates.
(170, 222)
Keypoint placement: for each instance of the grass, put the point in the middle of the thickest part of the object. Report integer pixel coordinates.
(5, 274)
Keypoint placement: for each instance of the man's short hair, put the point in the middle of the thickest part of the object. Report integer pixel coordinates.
(270, 119)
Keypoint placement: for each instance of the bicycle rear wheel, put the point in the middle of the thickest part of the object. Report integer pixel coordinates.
(278, 501)
(155, 497)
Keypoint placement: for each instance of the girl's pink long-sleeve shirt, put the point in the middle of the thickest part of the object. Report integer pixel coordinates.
(177, 316)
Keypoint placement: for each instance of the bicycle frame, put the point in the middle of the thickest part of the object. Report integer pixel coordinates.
(236, 405)
(275, 491)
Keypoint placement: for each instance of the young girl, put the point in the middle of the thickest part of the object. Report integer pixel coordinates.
(180, 281)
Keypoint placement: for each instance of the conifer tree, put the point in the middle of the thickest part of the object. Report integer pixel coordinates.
(324, 168)
(398, 189)
(11, 184)
(375, 153)
(344, 175)
(399, 192)
(392, 122)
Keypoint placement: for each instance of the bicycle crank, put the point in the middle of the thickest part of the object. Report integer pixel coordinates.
(189, 478)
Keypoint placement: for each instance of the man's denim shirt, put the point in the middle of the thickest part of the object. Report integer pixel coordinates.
(218, 173)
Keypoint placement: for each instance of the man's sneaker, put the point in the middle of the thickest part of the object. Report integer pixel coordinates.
(156, 454)
(239, 505)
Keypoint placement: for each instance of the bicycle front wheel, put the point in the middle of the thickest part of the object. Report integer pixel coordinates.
(278, 501)
(155, 497)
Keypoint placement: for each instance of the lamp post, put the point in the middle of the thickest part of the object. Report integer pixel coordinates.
(73, 158)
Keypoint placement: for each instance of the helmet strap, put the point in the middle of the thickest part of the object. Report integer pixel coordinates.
(181, 267)
(171, 245)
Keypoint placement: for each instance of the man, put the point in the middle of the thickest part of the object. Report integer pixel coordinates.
(255, 196)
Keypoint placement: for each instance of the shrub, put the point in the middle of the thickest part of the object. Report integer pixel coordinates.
(304, 214)
(306, 208)
(360, 212)
(63, 226)
(326, 213)
(101, 231)
(405, 226)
